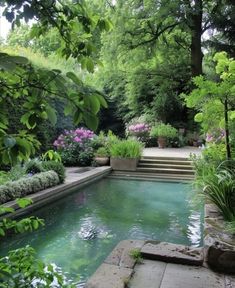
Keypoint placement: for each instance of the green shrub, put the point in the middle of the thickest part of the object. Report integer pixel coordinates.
(33, 166)
(164, 130)
(58, 167)
(4, 177)
(102, 152)
(15, 173)
(85, 158)
(126, 149)
(28, 185)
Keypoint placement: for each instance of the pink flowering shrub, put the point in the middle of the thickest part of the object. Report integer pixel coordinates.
(138, 130)
(216, 136)
(75, 147)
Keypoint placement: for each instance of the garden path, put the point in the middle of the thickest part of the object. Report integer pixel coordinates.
(183, 152)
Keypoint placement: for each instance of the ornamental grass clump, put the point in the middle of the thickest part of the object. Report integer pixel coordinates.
(126, 149)
(220, 190)
(75, 147)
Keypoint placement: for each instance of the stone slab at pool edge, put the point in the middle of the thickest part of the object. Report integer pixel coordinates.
(120, 270)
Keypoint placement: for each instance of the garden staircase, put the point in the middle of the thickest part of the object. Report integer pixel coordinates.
(153, 168)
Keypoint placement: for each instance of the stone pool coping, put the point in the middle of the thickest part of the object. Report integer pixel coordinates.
(75, 179)
(175, 266)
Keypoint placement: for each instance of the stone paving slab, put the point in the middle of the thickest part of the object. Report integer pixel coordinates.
(156, 274)
(173, 253)
(109, 276)
(229, 281)
(182, 276)
(148, 274)
(120, 256)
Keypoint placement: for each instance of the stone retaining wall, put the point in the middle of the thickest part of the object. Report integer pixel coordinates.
(219, 245)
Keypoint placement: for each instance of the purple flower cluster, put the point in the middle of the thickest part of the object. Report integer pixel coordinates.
(138, 129)
(216, 136)
(73, 137)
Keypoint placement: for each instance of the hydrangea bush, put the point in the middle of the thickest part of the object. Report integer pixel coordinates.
(216, 136)
(138, 130)
(75, 147)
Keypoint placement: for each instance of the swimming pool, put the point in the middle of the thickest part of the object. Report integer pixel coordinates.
(83, 228)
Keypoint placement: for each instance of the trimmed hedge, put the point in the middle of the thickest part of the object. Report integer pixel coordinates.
(58, 167)
(28, 185)
(34, 166)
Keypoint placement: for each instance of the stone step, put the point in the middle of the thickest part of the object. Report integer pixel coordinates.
(150, 176)
(173, 253)
(166, 161)
(166, 171)
(169, 165)
(155, 179)
(165, 158)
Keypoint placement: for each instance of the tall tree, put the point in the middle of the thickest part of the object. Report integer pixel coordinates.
(156, 19)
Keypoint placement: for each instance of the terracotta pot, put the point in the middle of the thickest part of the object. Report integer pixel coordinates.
(124, 164)
(102, 161)
(161, 142)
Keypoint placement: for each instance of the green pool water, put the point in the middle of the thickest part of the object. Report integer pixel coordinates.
(83, 228)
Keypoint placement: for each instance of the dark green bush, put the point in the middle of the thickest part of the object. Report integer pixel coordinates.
(28, 185)
(34, 166)
(58, 167)
(85, 158)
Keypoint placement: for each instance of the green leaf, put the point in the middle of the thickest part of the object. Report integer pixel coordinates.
(91, 121)
(35, 224)
(90, 65)
(2, 232)
(77, 117)
(51, 113)
(74, 78)
(93, 103)
(24, 202)
(4, 209)
(102, 100)
(9, 142)
(232, 115)
(198, 117)
(19, 59)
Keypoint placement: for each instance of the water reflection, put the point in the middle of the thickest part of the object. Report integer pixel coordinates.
(82, 229)
(194, 228)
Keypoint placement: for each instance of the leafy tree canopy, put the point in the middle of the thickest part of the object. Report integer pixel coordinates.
(74, 22)
(215, 100)
(20, 80)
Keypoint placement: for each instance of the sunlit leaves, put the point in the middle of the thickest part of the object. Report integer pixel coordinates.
(36, 88)
(24, 202)
(74, 23)
(209, 97)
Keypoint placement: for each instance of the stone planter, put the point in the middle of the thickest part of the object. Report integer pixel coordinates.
(102, 161)
(219, 244)
(161, 142)
(124, 164)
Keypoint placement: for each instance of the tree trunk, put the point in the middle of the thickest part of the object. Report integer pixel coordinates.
(228, 151)
(196, 34)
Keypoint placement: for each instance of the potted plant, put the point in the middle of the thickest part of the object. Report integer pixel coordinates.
(163, 132)
(102, 156)
(125, 154)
